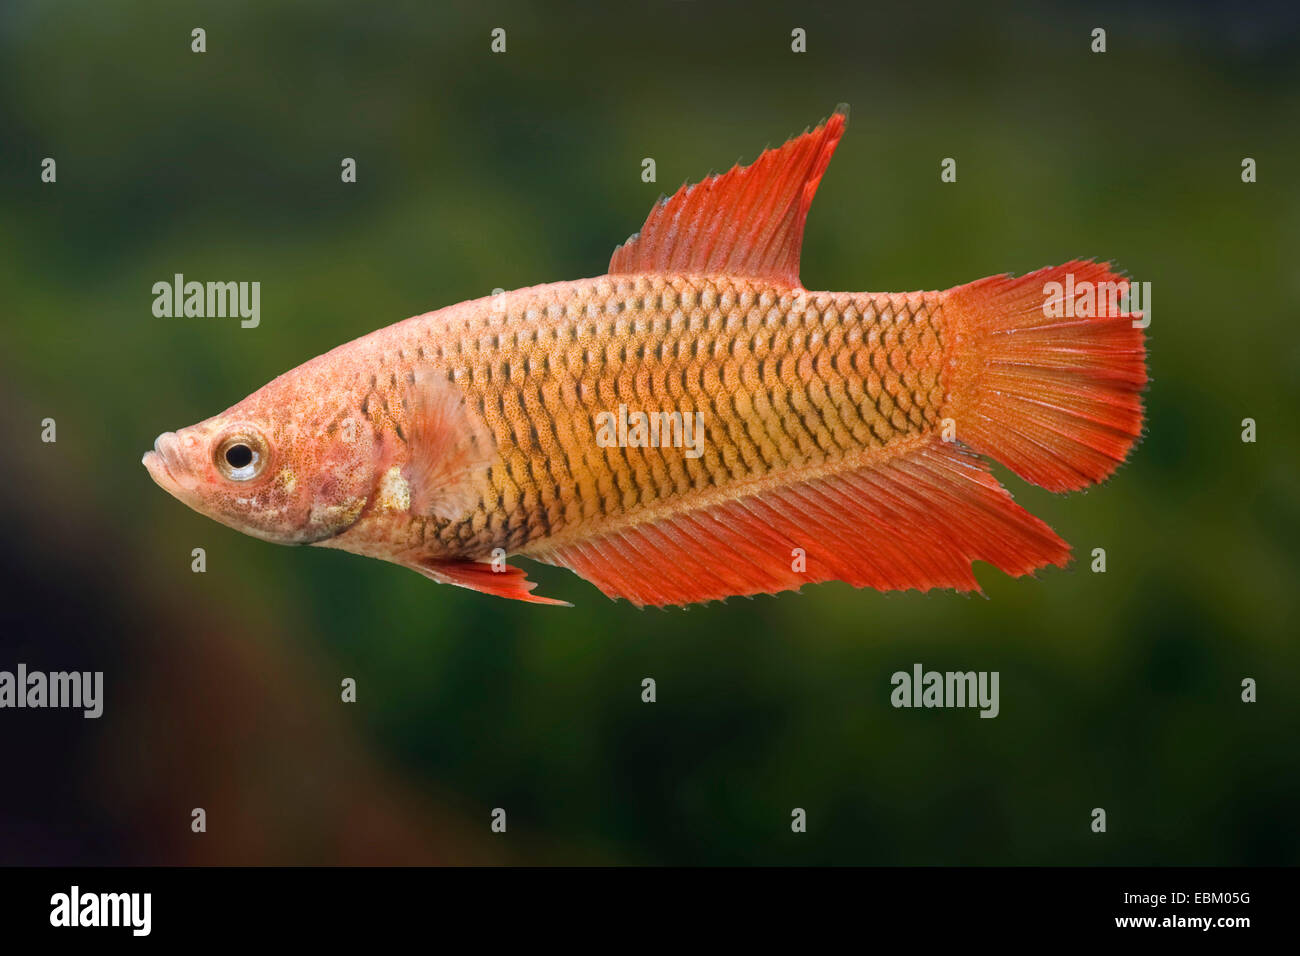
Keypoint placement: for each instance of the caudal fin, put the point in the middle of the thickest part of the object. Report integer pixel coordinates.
(1048, 372)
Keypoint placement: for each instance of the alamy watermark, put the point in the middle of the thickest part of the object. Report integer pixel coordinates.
(82, 690)
(77, 909)
(624, 429)
(1098, 300)
(922, 688)
(212, 300)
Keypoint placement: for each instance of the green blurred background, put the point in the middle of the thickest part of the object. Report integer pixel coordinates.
(475, 171)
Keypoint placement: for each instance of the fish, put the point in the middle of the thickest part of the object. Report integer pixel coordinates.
(693, 425)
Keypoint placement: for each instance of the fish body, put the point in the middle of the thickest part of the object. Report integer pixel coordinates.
(692, 425)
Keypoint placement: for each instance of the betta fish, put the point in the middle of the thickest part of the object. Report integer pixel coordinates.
(694, 424)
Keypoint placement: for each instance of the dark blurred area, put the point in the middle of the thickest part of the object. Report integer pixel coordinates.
(478, 171)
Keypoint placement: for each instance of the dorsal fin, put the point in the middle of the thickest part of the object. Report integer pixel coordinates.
(745, 222)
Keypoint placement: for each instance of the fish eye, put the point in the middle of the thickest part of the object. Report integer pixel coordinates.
(241, 456)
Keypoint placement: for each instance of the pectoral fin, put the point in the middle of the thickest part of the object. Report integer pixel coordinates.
(450, 447)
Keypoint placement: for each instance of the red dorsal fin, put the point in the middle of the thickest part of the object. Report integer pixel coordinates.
(508, 582)
(913, 521)
(449, 447)
(746, 222)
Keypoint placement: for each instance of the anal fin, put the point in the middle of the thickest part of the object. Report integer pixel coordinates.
(916, 521)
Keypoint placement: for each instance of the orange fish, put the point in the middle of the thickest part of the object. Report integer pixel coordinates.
(694, 424)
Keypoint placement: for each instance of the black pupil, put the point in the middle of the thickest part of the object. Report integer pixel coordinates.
(239, 456)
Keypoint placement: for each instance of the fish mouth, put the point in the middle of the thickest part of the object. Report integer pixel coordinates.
(166, 466)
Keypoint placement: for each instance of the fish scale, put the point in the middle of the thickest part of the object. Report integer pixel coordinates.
(685, 343)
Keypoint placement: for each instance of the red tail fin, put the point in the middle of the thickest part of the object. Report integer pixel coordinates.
(1047, 381)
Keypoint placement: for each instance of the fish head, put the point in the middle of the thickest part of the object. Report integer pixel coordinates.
(291, 464)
